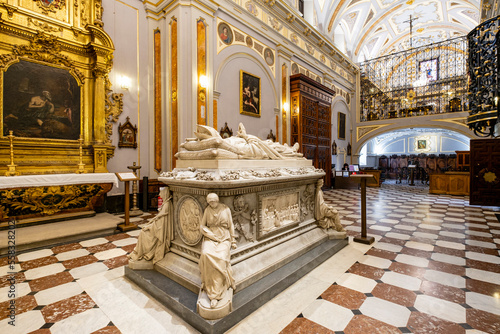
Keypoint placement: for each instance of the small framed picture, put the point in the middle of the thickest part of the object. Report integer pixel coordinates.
(341, 126)
(422, 144)
(128, 134)
(345, 173)
(338, 173)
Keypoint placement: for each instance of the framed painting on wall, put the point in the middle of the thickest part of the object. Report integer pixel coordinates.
(40, 101)
(341, 126)
(127, 134)
(421, 144)
(249, 94)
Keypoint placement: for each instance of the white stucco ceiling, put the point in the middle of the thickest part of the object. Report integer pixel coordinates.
(373, 28)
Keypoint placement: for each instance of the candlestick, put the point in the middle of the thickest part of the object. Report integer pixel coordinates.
(81, 165)
(12, 168)
(134, 211)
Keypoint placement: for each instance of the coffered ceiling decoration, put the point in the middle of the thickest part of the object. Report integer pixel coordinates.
(373, 28)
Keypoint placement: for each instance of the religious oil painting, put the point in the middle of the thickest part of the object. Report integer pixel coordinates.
(429, 69)
(225, 33)
(40, 101)
(249, 94)
(422, 144)
(341, 126)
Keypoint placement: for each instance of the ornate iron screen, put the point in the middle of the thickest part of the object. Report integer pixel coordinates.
(483, 64)
(426, 80)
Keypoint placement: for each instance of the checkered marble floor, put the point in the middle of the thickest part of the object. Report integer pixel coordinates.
(433, 269)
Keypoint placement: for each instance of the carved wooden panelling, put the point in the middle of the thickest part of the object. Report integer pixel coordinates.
(485, 172)
(311, 124)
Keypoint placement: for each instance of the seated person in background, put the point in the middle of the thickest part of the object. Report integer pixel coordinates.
(345, 167)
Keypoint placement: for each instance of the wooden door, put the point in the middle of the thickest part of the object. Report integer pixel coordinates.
(485, 172)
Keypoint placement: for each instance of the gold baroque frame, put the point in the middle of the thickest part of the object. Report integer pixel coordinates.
(30, 63)
(88, 59)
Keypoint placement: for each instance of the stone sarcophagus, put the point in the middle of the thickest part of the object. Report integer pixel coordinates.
(277, 226)
(273, 217)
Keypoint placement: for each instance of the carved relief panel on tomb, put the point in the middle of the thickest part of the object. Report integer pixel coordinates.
(244, 219)
(188, 220)
(278, 211)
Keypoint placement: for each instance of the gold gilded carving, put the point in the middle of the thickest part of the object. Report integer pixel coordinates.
(100, 159)
(100, 37)
(98, 13)
(307, 32)
(290, 18)
(364, 130)
(43, 25)
(310, 49)
(10, 10)
(202, 96)
(84, 17)
(44, 201)
(275, 23)
(50, 6)
(45, 48)
(113, 107)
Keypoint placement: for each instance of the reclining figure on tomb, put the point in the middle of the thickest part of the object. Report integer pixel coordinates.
(208, 144)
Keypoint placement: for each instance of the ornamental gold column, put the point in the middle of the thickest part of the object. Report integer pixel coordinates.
(100, 153)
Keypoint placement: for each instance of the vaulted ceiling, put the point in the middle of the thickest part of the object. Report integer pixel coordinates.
(373, 28)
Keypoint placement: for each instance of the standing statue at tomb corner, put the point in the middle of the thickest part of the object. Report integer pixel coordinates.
(155, 237)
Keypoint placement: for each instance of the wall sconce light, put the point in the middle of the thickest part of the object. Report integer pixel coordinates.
(203, 81)
(124, 82)
(286, 106)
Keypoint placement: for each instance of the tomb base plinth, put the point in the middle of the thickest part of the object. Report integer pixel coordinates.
(277, 235)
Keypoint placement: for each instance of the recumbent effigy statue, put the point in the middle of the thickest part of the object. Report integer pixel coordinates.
(208, 144)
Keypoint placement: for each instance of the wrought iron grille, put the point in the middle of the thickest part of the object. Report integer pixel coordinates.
(483, 65)
(431, 79)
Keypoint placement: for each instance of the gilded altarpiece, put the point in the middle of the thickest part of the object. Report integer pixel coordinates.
(54, 88)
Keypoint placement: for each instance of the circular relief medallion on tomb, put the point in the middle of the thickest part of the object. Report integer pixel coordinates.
(189, 215)
(249, 41)
(295, 69)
